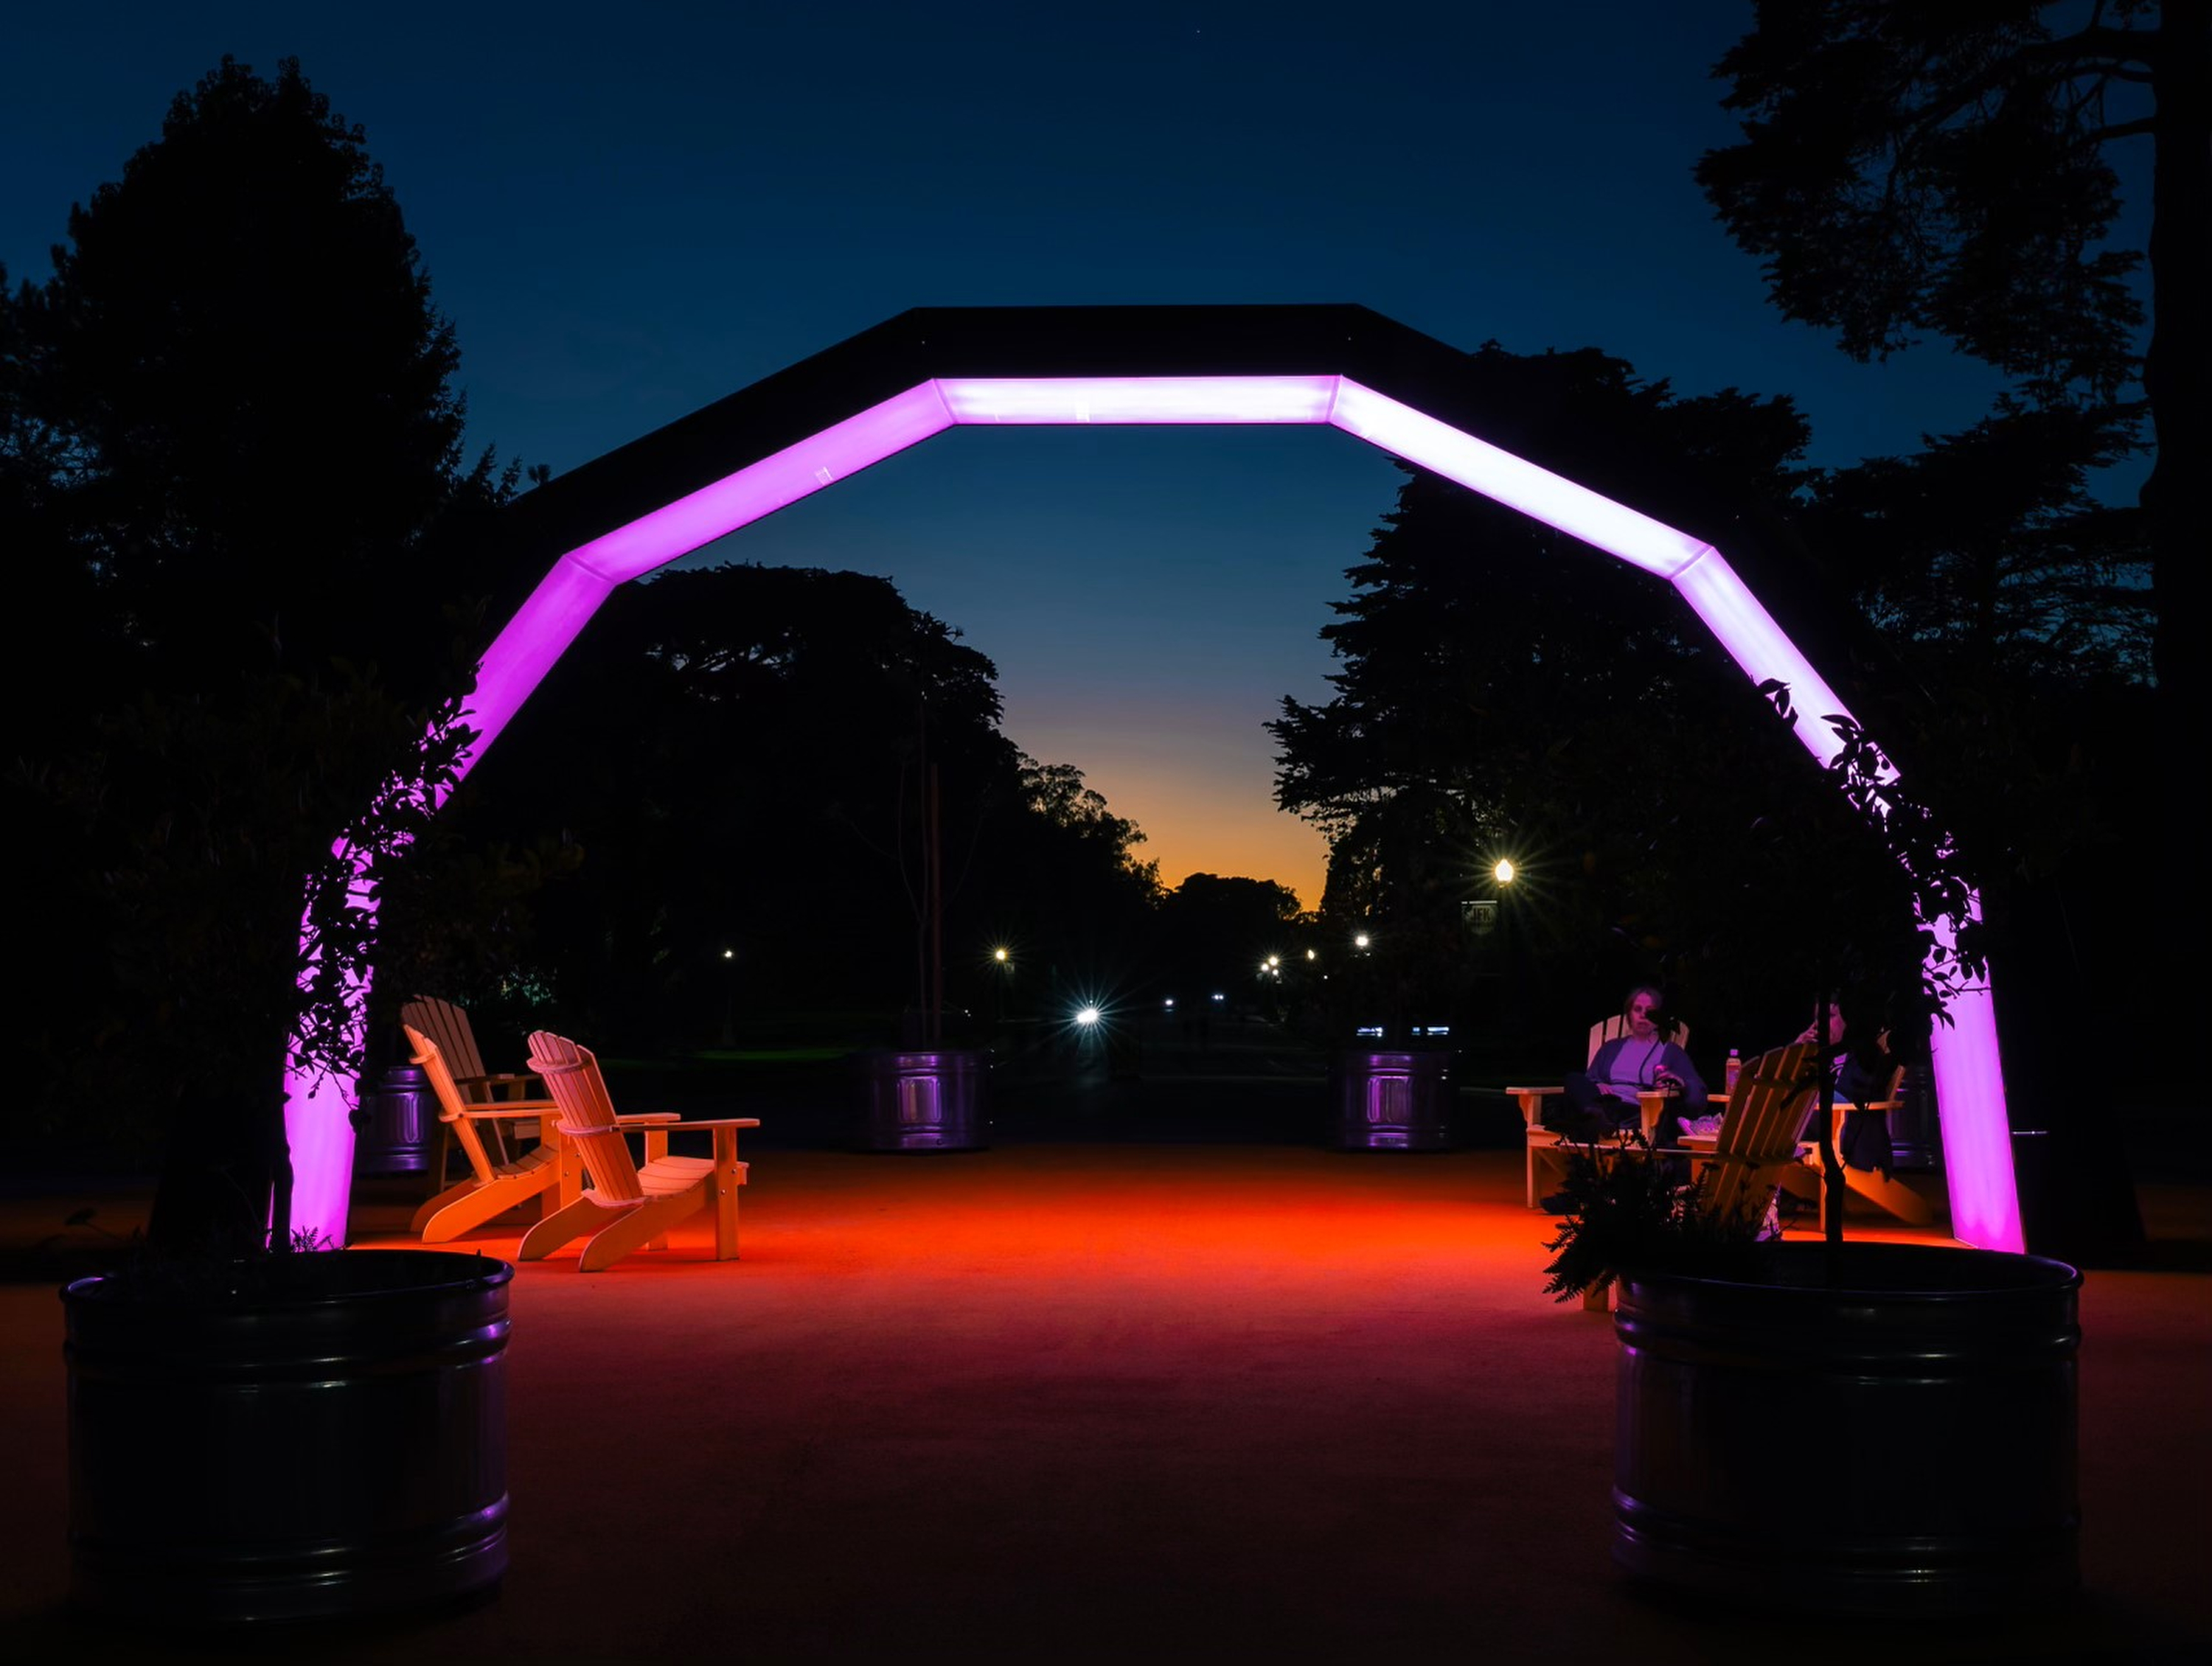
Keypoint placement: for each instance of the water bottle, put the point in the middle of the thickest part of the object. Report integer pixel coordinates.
(1735, 1064)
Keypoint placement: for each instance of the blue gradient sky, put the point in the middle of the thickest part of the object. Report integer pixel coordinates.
(630, 211)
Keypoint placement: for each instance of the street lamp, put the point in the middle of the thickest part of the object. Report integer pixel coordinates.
(1502, 873)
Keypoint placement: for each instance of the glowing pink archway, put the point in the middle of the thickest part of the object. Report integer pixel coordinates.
(1969, 1079)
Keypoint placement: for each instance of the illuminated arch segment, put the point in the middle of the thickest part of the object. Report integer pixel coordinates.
(1969, 1078)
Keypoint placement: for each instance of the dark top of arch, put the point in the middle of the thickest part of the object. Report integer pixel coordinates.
(929, 341)
(915, 346)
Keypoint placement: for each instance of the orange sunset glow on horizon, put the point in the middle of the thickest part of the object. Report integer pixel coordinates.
(1204, 800)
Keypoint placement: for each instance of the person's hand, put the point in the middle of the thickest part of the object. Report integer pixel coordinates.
(1666, 1081)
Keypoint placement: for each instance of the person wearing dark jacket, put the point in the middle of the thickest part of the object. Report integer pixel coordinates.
(1862, 1075)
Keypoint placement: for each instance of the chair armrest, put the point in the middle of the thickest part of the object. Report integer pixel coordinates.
(1529, 1099)
(720, 1122)
(647, 1118)
(513, 1111)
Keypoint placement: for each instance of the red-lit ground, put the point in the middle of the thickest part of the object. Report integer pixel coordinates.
(1111, 1402)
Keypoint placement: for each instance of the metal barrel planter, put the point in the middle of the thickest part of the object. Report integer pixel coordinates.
(923, 1099)
(1393, 1101)
(1754, 1459)
(323, 1440)
(398, 1121)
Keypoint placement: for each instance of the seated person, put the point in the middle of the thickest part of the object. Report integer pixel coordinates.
(1862, 1071)
(1601, 1101)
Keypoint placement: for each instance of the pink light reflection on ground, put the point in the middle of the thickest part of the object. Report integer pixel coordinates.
(1969, 1077)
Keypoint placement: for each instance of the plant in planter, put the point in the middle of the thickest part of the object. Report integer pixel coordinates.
(1629, 1209)
(258, 1434)
(1735, 1355)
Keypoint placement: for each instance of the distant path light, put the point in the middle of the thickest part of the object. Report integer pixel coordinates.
(1088, 1015)
(933, 369)
(1502, 872)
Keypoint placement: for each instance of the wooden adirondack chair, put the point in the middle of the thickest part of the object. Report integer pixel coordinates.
(492, 1186)
(1546, 1156)
(1885, 1192)
(1757, 1148)
(449, 1026)
(623, 1207)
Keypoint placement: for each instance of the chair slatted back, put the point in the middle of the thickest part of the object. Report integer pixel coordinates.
(1891, 1086)
(587, 1115)
(1612, 1028)
(449, 1026)
(432, 1058)
(1759, 1129)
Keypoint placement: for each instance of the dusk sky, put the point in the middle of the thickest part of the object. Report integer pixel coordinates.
(629, 211)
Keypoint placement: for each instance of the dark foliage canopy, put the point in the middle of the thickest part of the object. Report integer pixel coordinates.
(741, 755)
(243, 397)
(1506, 691)
(1909, 169)
(229, 440)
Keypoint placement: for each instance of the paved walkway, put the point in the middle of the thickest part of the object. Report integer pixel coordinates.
(1078, 1402)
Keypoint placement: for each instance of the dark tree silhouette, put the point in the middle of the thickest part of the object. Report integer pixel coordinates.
(1505, 689)
(740, 752)
(246, 396)
(1216, 930)
(229, 432)
(2014, 623)
(1913, 168)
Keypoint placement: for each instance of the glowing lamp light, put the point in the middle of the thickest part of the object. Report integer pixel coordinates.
(1504, 872)
(999, 955)
(1969, 1077)
(1087, 1016)
(1360, 942)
